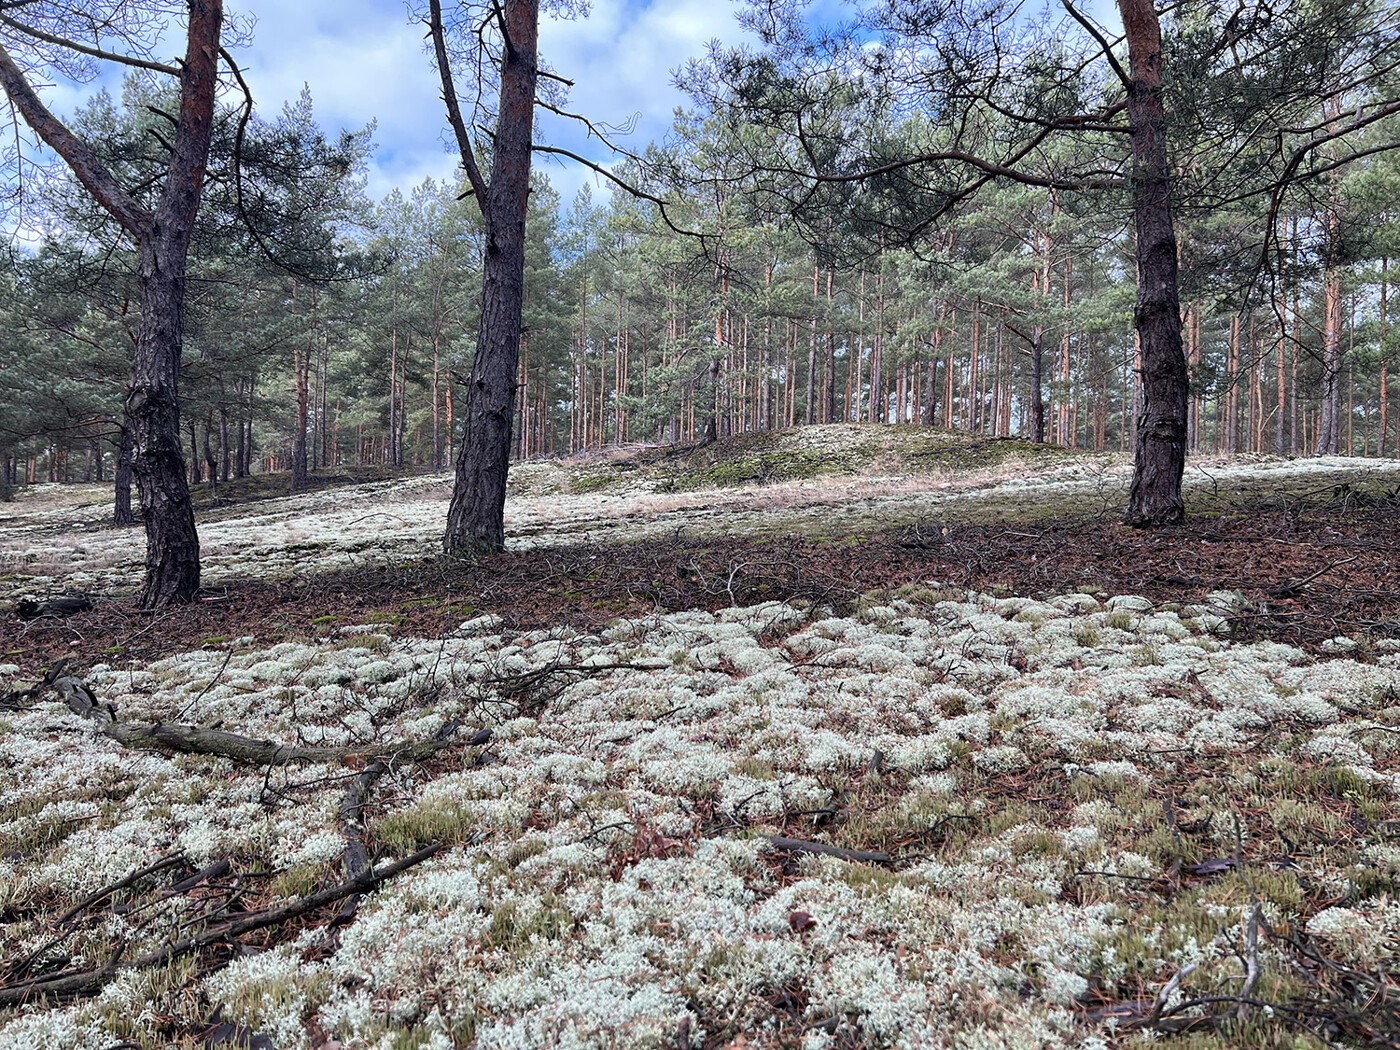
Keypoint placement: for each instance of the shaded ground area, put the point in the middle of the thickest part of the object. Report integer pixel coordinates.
(1311, 568)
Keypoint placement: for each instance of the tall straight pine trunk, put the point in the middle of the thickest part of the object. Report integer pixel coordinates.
(1159, 458)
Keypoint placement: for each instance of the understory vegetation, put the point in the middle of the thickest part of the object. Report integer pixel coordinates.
(843, 749)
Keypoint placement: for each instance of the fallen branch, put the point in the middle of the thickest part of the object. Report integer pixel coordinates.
(121, 884)
(31, 608)
(356, 858)
(64, 986)
(197, 740)
(72, 985)
(1295, 587)
(1251, 964)
(803, 846)
(1152, 1019)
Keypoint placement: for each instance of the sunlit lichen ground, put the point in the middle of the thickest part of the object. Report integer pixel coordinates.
(1082, 796)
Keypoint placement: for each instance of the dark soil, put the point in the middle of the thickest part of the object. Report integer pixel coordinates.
(1310, 571)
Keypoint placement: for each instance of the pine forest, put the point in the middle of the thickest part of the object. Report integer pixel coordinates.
(875, 528)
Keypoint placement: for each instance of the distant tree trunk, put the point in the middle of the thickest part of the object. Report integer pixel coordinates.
(1385, 352)
(322, 416)
(121, 514)
(210, 462)
(931, 392)
(1038, 384)
(711, 434)
(393, 389)
(301, 367)
(829, 363)
(1159, 458)
(223, 444)
(1329, 425)
(1282, 391)
(245, 436)
(476, 515)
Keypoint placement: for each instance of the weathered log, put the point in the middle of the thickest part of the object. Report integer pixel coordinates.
(32, 608)
(198, 740)
(356, 859)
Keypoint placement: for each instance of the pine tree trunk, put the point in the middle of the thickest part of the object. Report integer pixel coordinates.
(1329, 425)
(476, 516)
(211, 464)
(245, 442)
(153, 417)
(1385, 353)
(121, 514)
(1160, 456)
(1038, 385)
(224, 451)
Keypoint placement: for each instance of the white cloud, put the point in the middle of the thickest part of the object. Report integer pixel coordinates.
(365, 61)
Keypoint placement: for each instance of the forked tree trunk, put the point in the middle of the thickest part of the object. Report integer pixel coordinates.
(1160, 455)
(476, 516)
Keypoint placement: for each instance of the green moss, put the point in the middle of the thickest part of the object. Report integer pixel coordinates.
(1347, 783)
(408, 829)
(757, 768)
(1147, 656)
(386, 617)
(296, 881)
(523, 850)
(162, 989)
(516, 927)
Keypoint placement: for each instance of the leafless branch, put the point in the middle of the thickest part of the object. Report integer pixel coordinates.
(83, 49)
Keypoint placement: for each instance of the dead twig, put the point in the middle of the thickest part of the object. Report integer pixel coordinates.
(803, 846)
(71, 985)
(1160, 1004)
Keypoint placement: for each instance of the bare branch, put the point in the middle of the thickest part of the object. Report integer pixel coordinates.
(76, 153)
(1099, 38)
(83, 49)
(454, 110)
(633, 190)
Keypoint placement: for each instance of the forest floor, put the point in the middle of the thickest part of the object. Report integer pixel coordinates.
(851, 737)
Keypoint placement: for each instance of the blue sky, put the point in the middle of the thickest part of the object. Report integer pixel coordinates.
(365, 61)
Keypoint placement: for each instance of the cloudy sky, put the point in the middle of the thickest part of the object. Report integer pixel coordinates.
(365, 61)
